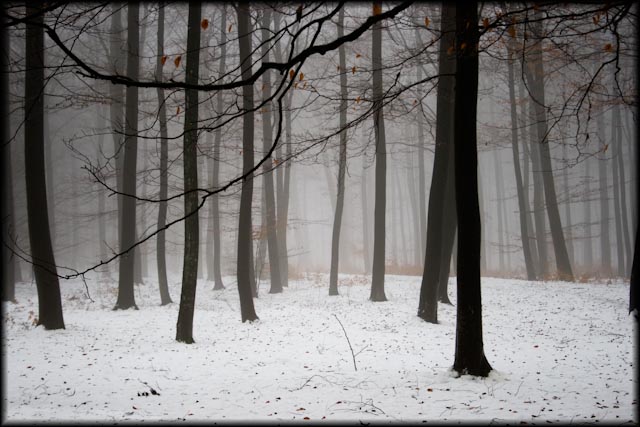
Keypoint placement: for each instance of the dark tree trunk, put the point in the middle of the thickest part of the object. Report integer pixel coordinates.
(342, 163)
(469, 353)
(449, 227)
(377, 277)
(428, 303)
(245, 245)
(536, 80)
(267, 175)
(634, 283)
(538, 198)
(7, 215)
(616, 199)
(215, 163)
(567, 205)
(422, 187)
(520, 189)
(116, 107)
(165, 297)
(184, 328)
(44, 265)
(126, 297)
(627, 254)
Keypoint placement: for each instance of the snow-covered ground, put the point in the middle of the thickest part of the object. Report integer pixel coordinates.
(560, 351)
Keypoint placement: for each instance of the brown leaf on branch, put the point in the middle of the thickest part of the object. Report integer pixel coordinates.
(177, 60)
(204, 24)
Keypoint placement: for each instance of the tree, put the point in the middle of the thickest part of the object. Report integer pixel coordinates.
(377, 276)
(214, 271)
(534, 73)
(8, 218)
(245, 247)
(428, 303)
(126, 298)
(522, 206)
(184, 329)
(44, 265)
(342, 164)
(165, 297)
(267, 175)
(469, 352)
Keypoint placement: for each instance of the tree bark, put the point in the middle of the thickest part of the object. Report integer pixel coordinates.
(428, 303)
(215, 164)
(267, 175)
(184, 328)
(126, 297)
(469, 352)
(342, 163)
(605, 241)
(165, 297)
(535, 77)
(627, 254)
(522, 205)
(245, 245)
(366, 245)
(7, 214)
(44, 265)
(377, 277)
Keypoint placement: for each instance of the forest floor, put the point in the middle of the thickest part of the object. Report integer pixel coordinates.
(560, 352)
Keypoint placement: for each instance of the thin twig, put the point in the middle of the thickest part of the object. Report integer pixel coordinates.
(353, 356)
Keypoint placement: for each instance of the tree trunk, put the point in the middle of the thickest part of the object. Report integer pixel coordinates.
(366, 245)
(634, 283)
(536, 80)
(428, 303)
(522, 196)
(215, 164)
(567, 206)
(184, 328)
(538, 198)
(469, 353)
(126, 297)
(342, 163)
(499, 203)
(414, 199)
(7, 214)
(422, 187)
(449, 226)
(161, 251)
(44, 265)
(627, 254)
(245, 244)
(605, 242)
(588, 240)
(101, 193)
(377, 277)
(267, 175)
(116, 107)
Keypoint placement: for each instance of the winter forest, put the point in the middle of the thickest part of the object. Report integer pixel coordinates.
(317, 212)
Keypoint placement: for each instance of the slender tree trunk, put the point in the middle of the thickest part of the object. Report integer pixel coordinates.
(522, 196)
(422, 187)
(536, 80)
(262, 242)
(377, 277)
(538, 198)
(634, 283)
(245, 245)
(102, 217)
(588, 240)
(44, 265)
(161, 251)
(527, 161)
(605, 242)
(184, 328)
(449, 226)
(215, 162)
(9, 265)
(126, 297)
(627, 254)
(428, 303)
(616, 201)
(342, 163)
(283, 217)
(414, 199)
(499, 203)
(469, 352)
(567, 206)
(267, 175)
(117, 61)
(366, 250)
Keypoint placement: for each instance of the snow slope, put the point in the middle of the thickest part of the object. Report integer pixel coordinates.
(560, 352)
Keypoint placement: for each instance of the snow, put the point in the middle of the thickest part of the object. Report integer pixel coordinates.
(560, 352)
